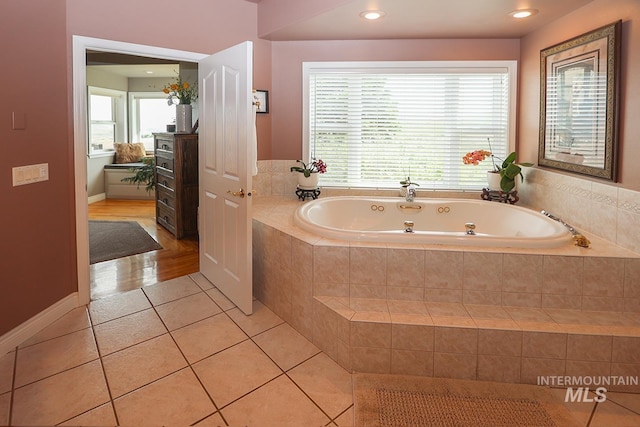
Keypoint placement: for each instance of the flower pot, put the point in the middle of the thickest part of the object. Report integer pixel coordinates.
(493, 181)
(308, 183)
(183, 118)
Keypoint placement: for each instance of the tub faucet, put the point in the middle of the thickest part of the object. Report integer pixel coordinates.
(411, 193)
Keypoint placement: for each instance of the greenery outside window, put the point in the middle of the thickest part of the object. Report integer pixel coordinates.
(107, 119)
(377, 123)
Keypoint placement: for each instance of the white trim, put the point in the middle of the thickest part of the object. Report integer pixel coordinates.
(27, 329)
(96, 198)
(80, 46)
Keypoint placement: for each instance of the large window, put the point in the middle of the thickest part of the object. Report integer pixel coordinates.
(377, 123)
(149, 113)
(107, 119)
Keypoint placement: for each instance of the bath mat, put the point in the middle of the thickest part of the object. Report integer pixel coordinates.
(398, 401)
(116, 239)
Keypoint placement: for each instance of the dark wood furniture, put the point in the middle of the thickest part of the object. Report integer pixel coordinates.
(177, 182)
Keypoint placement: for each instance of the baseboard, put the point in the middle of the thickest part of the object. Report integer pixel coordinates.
(27, 329)
(97, 198)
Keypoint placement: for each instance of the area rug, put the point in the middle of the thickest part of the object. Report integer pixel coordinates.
(116, 239)
(398, 401)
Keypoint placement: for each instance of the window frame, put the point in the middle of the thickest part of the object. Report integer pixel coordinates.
(134, 113)
(398, 67)
(119, 106)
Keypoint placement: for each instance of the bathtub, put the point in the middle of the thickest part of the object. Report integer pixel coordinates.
(435, 221)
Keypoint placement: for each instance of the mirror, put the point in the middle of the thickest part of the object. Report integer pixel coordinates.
(578, 103)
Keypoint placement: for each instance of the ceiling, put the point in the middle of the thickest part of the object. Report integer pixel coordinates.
(403, 19)
(426, 19)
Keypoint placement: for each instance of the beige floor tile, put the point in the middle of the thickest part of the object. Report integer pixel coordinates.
(286, 346)
(610, 414)
(73, 321)
(234, 372)
(171, 290)
(105, 309)
(127, 331)
(222, 301)
(61, 397)
(346, 419)
(214, 420)
(7, 362)
(185, 311)
(261, 319)
(279, 403)
(220, 331)
(201, 281)
(630, 401)
(174, 400)
(141, 364)
(100, 416)
(326, 382)
(56, 355)
(580, 411)
(5, 403)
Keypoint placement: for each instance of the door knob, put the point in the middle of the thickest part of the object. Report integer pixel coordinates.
(236, 193)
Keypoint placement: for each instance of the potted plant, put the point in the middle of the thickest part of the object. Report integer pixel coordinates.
(308, 178)
(507, 171)
(144, 174)
(404, 184)
(185, 94)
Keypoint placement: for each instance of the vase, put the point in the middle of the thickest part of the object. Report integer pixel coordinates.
(183, 118)
(493, 181)
(308, 183)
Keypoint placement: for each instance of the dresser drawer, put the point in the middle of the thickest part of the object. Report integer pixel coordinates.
(166, 181)
(164, 163)
(164, 144)
(166, 217)
(166, 197)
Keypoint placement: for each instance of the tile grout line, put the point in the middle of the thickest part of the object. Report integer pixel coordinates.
(189, 365)
(13, 385)
(104, 373)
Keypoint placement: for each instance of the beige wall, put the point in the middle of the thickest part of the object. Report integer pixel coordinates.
(590, 17)
(287, 72)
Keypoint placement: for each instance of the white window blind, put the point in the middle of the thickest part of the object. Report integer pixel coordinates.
(378, 123)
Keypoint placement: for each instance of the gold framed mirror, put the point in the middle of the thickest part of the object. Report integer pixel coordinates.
(579, 86)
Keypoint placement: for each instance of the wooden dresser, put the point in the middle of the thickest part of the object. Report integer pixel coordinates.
(176, 158)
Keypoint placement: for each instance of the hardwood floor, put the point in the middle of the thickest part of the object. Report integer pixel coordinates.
(177, 258)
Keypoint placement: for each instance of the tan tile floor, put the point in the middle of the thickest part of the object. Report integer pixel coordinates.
(180, 353)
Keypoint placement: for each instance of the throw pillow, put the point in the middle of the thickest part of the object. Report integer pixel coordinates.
(129, 153)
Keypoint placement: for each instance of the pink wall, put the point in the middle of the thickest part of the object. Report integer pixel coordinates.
(204, 26)
(590, 17)
(289, 56)
(38, 262)
(37, 265)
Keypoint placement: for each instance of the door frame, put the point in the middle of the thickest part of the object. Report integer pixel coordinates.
(79, 68)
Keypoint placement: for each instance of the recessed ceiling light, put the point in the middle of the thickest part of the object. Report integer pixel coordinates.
(523, 13)
(149, 72)
(372, 14)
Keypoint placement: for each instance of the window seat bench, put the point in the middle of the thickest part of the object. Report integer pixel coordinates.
(115, 188)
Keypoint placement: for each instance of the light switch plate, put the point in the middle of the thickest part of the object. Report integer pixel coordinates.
(29, 174)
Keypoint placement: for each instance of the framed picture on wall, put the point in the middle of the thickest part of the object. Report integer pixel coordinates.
(579, 85)
(261, 101)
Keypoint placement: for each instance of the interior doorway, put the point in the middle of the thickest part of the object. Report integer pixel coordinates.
(80, 47)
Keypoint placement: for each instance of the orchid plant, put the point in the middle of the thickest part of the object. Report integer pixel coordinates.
(508, 169)
(315, 166)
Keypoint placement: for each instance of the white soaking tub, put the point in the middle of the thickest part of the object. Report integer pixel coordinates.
(435, 221)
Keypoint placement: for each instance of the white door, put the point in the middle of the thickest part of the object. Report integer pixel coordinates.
(226, 129)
